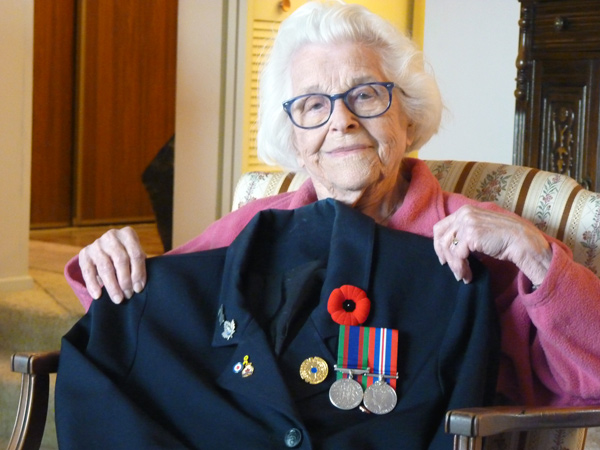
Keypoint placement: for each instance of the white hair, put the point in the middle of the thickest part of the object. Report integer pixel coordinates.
(333, 23)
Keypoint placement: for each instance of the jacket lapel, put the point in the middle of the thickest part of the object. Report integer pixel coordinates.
(348, 238)
(266, 385)
(350, 260)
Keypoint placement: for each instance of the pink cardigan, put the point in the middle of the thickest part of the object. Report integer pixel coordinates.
(550, 349)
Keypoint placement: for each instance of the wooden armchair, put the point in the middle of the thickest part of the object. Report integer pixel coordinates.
(554, 203)
(35, 370)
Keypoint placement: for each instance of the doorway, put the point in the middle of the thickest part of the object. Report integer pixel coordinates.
(103, 107)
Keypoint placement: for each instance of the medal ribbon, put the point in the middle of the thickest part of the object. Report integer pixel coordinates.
(362, 347)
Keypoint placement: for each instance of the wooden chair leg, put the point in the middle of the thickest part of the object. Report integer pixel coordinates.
(33, 403)
(467, 443)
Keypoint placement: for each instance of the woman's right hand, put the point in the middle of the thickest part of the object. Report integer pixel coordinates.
(116, 261)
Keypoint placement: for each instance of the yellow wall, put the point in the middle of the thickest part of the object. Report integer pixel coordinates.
(264, 17)
(418, 23)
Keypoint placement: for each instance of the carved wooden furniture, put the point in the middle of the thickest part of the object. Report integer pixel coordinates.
(558, 89)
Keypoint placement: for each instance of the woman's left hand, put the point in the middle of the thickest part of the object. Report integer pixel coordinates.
(501, 236)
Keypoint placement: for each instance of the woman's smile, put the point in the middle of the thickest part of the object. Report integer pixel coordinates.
(347, 150)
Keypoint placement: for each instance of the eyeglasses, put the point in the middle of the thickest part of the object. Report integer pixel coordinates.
(364, 100)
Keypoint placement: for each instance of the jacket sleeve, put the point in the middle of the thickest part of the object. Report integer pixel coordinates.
(549, 344)
(565, 313)
(549, 336)
(95, 363)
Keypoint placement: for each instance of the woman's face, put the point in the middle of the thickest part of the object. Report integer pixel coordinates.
(348, 157)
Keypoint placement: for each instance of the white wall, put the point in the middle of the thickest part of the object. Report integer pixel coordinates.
(472, 46)
(198, 114)
(16, 87)
(208, 114)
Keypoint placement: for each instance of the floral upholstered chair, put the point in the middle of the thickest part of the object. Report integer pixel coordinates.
(559, 207)
(556, 204)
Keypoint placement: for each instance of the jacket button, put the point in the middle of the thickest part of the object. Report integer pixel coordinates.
(292, 438)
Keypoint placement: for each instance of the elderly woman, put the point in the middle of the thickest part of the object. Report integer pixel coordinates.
(355, 98)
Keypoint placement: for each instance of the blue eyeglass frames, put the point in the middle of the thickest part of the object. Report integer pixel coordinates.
(365, 100)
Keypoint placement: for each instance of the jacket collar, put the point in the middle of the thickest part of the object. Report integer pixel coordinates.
(298, 236)
(422, 207)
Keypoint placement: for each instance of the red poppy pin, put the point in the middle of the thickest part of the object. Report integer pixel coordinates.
(349, 305)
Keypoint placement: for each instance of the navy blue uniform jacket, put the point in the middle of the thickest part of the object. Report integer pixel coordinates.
(156, 372)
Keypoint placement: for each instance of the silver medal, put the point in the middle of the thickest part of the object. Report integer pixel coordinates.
(346, 393)
(380, 397)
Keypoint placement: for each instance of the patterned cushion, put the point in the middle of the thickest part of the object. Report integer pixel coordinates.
(253, 185)
(556, 204)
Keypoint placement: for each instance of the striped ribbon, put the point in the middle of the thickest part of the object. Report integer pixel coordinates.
(362, 347)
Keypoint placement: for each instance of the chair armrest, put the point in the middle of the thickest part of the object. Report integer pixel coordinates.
(35, 363)
(474, 422)
(33, 402)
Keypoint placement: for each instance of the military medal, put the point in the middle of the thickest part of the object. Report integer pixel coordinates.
(346, 393)
(314, 370)
(369, 353)
(359, 350)
(380, 397)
